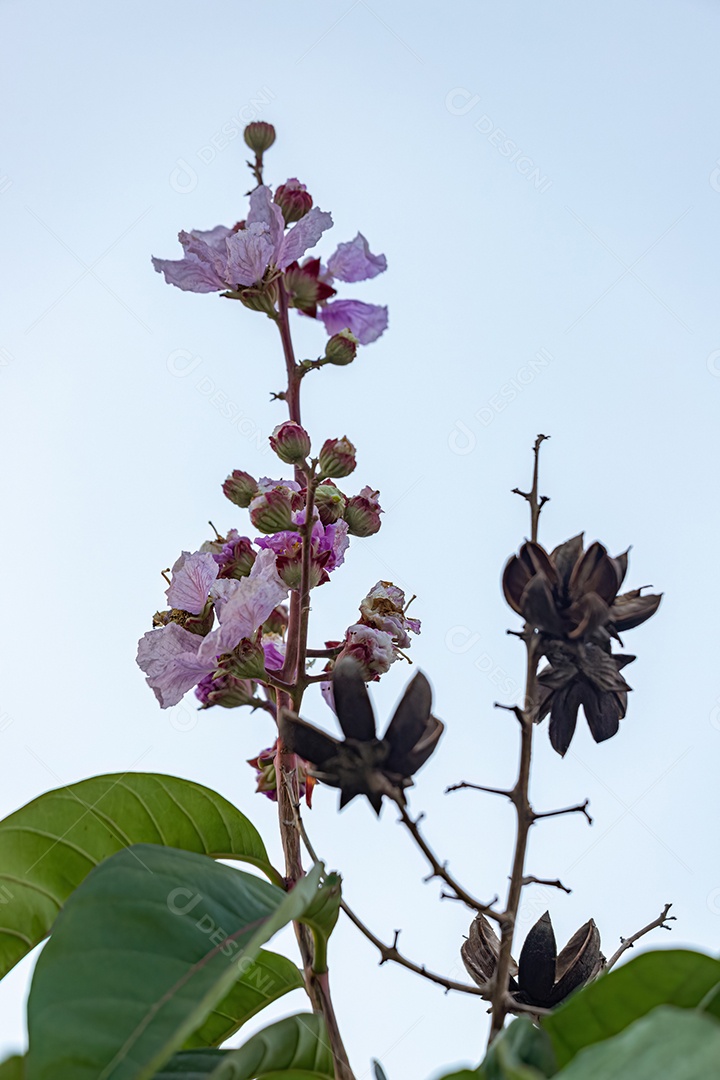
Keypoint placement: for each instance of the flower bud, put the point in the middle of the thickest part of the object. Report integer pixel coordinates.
(337, 457)
(290, 442)
(240, 488)
(294, 200)
(330, 502)
(362, 516)
(225, 690)
(259, 136)
(277, 621)
(341, 349)
(271, 512)
(262, 298)
(246, 661)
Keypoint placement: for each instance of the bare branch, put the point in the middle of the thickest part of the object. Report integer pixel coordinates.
(387, 952)
(439, 869)
(627, 943)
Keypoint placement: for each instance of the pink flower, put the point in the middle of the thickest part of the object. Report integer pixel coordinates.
(174, 660)
(223, 259)
(366, 321)
(192, 578)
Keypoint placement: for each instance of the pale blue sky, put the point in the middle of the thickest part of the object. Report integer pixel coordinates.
(567, 283)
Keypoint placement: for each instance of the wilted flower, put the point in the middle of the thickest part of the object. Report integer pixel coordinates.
(384, 608)
(328, 544)
(373, 650)
(541, 978)
(586, 675)
(362, 764)
(226, 690)
(570, 597)
(266, 775)
(572, 593)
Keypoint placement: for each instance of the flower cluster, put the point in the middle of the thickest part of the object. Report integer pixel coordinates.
(246, 262)
(363, 764)
(569, 599)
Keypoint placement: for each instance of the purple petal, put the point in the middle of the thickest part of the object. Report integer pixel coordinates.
(247, 608)
(354, 261)
(192, 577)
(203, 267)
(265, 212)
(169, 658)
(214, 238)
(303, 236)
(249, 253)
(366, 321)
(274, 657)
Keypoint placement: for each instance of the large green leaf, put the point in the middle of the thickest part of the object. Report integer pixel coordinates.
(295, 1049)
(49, 846)
(13, 1069)
(141, 953)
(522, 1052)
(680, 1044)
(606, 1007)
(265, 980)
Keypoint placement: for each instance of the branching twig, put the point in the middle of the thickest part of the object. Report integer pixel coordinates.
(388, 953)
(581, 808)
(627, 943)
(439, 869)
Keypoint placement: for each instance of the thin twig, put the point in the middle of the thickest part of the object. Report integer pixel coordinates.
(439, 869)
(581, 808)
(479, 787)
(388, 953)
(627, 943)
(536, 502)
(530, 879)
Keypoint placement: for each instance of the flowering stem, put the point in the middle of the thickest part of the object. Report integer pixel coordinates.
(292, 676)
(292, 395)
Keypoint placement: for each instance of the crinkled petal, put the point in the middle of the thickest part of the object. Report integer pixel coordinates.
(354, 261)
(250, 251)
(203, 267)
(192, 579)
(169, 657)
(303, 236)
(247, 608)
(366, 321)
(190, 274)
(265, 212)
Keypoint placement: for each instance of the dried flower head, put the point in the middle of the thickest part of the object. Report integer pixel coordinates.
(542, 977)
(363, 764)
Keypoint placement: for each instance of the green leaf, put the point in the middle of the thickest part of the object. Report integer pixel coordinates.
(13, 1068)
(296, 1048)
(141, 954)
(49, 846)
(521, 1052)
(267, 979)
(321, 917)
(606, 1007)
(668, 1042)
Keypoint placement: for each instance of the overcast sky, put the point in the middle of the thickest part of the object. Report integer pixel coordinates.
(545, 182)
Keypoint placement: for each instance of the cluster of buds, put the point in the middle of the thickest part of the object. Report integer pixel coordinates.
(362, 763)
(570, 603)
(541, 978)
